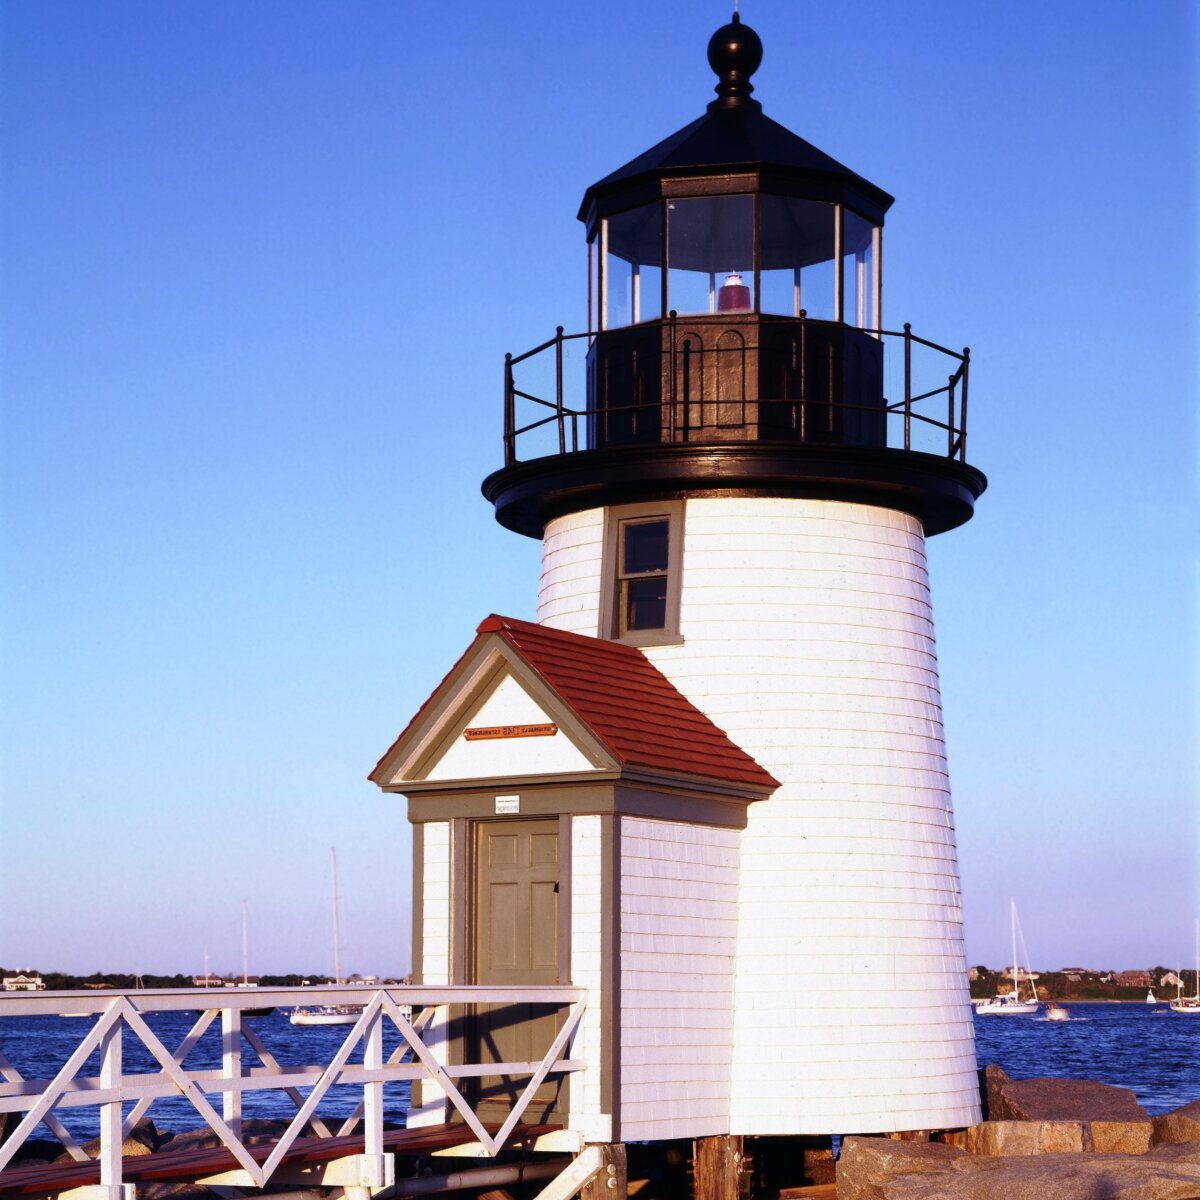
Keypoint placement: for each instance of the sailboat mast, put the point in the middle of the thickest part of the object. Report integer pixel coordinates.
(245, 949)
(337, 946)
(1198, 964)
(1012, 912)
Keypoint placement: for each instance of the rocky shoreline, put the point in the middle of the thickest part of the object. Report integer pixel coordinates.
(1040, 1139)
(1066, 1139)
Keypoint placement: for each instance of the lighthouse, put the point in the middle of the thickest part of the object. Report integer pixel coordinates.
(721, 741)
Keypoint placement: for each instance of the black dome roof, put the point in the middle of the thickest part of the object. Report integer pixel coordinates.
(735, 138)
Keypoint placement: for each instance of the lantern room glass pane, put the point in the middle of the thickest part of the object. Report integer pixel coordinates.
(858, 270)
(796, 244)
(593, 285)
(634, 266)
(710, 254)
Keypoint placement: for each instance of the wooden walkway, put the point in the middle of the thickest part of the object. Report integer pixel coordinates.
(181, 1165)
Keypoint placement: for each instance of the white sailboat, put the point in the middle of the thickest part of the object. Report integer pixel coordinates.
(1011, 1004)
(1189, 1005)
(330, 1014)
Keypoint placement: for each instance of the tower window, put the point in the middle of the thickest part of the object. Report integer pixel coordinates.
(642, 574)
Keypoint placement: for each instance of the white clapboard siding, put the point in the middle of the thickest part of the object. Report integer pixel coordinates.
(679, 919)
(429, 1102)
(587, 1115)
(808, 637)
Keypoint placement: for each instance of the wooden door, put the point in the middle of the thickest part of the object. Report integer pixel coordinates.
(516, 937)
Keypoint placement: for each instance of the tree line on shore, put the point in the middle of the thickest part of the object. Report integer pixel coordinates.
(984, 981)
(62, 981)
(1086, 985)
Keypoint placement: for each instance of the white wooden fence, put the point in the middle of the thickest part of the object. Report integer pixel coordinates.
(119, 1013)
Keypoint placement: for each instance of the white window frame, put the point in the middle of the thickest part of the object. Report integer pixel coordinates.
(612, 592)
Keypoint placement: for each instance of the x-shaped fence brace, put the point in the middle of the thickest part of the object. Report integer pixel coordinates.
(105, 1035)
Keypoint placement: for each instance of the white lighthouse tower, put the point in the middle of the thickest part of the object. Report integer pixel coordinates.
(744, 493)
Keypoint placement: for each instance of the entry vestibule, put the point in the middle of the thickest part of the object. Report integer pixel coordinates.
(619, 834)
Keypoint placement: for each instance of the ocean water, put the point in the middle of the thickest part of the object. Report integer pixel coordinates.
(1138, 1046)
(1154, 1053)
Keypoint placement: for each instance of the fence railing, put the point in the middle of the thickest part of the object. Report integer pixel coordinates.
(553, 409)
(358, 1060)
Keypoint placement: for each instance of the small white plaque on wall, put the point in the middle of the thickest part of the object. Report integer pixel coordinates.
(508, 804)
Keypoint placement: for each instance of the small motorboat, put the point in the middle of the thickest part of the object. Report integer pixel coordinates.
(1057, 1012)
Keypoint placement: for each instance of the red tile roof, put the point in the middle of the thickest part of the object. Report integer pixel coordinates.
(630, 706)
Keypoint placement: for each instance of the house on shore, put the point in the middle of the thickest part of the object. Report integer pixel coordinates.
(24, 983)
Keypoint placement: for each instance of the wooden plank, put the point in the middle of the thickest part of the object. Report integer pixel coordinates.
(168, 1165)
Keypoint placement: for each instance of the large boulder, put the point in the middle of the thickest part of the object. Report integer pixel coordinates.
(1008, 1138)
(1169, 1173)
(1050, 1099)
(991, 1083)
(867, 1164)
(1120, 1137)
(1179, 1125)
(143, 1139)
(1114, 1122)
(254, 1130)
(36, 1150)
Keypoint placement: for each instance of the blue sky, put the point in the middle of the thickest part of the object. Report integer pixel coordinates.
(259, 266)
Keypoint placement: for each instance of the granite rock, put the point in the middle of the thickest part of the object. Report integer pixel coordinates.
(1011, 1138)
(991, 1084)
(1120, 1137)
(36, 1150)
(1179, 1125)
(1171, 1175)
(143, 1139)
(867, 1164)
(254, 1130)
(1049, 1099)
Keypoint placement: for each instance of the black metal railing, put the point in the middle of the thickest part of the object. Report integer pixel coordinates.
(765, 379)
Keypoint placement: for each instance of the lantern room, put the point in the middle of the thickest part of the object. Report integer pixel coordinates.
(734, 213)
(735, 278)
(746, 250)
(735, 337)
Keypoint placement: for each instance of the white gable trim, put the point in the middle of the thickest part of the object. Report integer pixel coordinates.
(491, 672)
(516, 741)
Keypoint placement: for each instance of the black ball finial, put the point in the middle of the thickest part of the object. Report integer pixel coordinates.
(734, 52)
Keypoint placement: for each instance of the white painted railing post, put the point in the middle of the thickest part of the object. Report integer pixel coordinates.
(417, 1059)
(110, 1110)
(231, 1068)
(373, 1091)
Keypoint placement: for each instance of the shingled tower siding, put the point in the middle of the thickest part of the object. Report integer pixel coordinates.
(808, 637)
